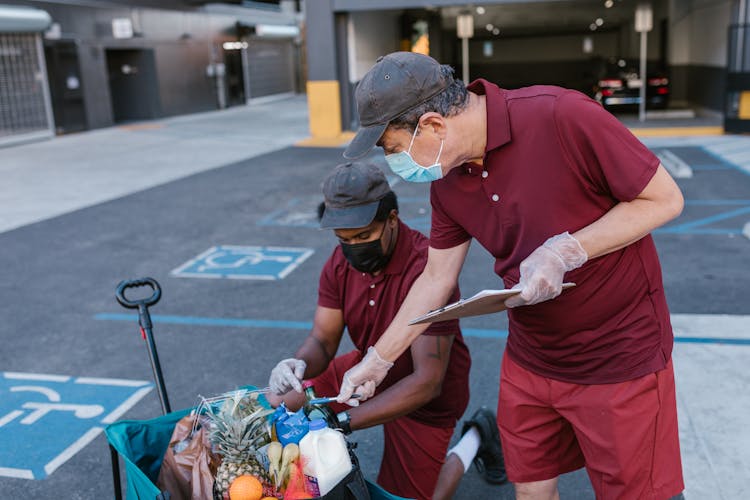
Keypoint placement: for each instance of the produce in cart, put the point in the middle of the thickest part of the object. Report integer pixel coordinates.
(239, 428)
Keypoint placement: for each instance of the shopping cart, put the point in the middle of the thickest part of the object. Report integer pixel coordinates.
(141, 443)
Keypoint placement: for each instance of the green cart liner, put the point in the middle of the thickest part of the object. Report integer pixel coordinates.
(141, 445)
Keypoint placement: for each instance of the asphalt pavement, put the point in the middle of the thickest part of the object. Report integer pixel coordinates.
(220, 209)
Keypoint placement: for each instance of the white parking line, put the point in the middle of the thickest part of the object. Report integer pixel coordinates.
(712, 406)
(126, 405)
(711, 325)
(10, 417)
(72, 450)
(36, 376)
(16, 473)
(675, 165)
(111, 381)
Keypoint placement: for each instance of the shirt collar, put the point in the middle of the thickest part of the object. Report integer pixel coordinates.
(498, 120)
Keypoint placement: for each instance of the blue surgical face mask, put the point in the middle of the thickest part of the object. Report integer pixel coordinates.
(409, 170)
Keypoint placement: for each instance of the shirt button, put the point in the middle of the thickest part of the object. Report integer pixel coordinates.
(495, 197)
(372, 286)
(485, 174)
(372, 302)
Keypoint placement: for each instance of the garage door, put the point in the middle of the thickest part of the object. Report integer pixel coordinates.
(24, 104)
(270, 67)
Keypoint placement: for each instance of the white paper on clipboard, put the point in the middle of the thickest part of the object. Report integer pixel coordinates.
(484, 302)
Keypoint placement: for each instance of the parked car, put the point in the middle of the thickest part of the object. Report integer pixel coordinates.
(619, 87)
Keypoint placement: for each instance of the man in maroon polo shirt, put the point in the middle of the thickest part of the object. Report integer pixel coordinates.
(556, 189)
(426, 391)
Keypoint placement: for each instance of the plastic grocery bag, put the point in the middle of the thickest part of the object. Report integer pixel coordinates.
(189, 466)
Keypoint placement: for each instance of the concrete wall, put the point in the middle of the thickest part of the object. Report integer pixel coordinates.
(699, 32)
(543, 49)
(184, 43)
(370, 36)
(552, 60)
(698, 51)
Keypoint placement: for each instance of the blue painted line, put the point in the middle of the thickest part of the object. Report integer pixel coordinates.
(719, 203)
(668, 230)
(709, 220)
(485, 334)
(414, 199)
(703, 168)
(701, 340)
(725, 162)
(309, 225)
(305, 325)
(195, 320)
(269, 220)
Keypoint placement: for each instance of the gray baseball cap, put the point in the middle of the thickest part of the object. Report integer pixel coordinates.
(352, 194)
(396, 84)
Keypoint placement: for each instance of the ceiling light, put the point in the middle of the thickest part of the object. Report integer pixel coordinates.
(490, 27)
(599, 21)
(496, 31)
(592, 26)
(480, 9)
(609, 3)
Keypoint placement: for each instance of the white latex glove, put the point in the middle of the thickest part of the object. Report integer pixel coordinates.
(542, 272)
(363, 378)
(287, 375)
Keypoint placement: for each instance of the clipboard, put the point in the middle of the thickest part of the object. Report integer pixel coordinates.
(484, 302)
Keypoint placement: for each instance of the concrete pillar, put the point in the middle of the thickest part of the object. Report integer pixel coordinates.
(323, 91)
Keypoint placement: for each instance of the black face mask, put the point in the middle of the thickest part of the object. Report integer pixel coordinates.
(368, 257)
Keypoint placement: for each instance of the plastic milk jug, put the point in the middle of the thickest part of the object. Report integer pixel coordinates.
(325, 458)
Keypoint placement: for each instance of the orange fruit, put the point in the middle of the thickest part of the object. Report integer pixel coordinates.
(245, 487)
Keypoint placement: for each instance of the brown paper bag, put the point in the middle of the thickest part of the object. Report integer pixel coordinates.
(189, 473)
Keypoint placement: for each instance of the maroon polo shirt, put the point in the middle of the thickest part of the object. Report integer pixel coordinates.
(369, 304)
(556, 161)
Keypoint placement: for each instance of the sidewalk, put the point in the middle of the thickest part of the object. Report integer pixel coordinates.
(54, 177)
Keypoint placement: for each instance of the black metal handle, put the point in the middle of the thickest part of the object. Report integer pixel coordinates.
(135, 304)
(144, 320)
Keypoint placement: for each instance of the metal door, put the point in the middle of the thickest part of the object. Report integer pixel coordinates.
(66, 86)
(270, 68)
(132, 84)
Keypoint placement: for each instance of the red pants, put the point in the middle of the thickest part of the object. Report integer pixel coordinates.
(625, 434)
(413, 451)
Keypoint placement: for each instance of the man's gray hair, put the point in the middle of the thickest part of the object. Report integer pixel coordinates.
(447, 103)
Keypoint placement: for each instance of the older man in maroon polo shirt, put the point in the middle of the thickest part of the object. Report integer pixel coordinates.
(555, 188)
(426, 391)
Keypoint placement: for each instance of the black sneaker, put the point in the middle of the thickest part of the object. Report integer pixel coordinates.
(489, 460)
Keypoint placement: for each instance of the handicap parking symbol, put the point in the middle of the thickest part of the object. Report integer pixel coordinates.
(46, 419)
(244, 262)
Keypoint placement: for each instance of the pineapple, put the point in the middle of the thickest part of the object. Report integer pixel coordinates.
(238, 429)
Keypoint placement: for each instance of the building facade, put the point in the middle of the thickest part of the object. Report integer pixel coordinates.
(517, 43)
(88, 64)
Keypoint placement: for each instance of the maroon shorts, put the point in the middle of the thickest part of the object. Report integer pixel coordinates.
(413, 451)
(625, 434)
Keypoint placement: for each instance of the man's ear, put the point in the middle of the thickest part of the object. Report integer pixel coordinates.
(433, 122)
(393, 216)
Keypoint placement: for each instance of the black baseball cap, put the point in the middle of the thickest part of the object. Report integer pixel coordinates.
(396, 84)
(352, 194)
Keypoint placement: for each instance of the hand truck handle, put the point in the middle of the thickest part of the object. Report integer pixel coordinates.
(135, 304)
